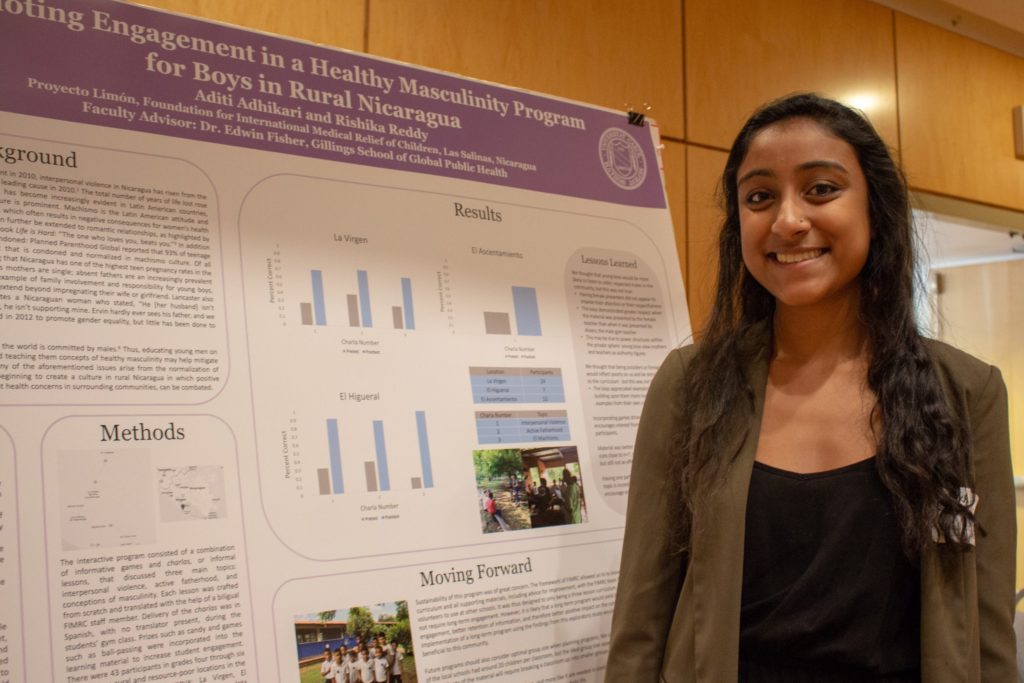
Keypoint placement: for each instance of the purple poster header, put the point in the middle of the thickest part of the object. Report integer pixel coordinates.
(125, 66)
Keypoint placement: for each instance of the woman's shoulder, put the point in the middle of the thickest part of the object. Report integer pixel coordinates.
(684, 354)
(666, 383)
(962, 370)
(673, 368)
(747, 345)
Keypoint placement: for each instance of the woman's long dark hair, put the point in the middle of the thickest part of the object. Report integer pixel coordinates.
(923, 442)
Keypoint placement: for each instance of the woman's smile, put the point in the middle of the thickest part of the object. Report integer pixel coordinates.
(793, 257)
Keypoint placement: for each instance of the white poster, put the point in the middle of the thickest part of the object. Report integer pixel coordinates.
(305, 350)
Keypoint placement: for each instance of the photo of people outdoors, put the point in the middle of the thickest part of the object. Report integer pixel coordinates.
(520, 488)
(358, 645)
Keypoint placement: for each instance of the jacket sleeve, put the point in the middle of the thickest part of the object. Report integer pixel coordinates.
(652, 568)
(997, 540)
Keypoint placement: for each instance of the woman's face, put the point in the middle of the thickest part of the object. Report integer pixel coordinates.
(803, 208)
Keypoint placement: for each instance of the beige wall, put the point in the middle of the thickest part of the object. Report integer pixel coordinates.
(981, 310)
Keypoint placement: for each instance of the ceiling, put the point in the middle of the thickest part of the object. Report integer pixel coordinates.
(1008, 13)
(950, 241)
(999, 23)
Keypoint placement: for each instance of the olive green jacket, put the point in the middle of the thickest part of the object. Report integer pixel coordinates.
(677, 616)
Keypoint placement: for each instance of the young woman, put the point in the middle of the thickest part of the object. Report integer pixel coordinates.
(840, 505)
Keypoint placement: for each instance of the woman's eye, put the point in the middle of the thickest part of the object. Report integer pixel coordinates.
(757, 197)
(821, 189)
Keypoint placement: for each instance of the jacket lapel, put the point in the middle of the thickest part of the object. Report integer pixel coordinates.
(717, 560)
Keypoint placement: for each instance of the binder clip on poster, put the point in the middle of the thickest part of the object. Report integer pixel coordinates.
(636, 118)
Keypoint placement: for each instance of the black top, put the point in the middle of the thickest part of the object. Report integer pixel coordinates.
(828, 594)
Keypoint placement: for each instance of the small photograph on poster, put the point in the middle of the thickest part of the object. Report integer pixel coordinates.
(527, 488)
(190, 493)
(365, 644)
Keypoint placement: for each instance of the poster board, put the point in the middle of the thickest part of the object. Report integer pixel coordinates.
(300, 344)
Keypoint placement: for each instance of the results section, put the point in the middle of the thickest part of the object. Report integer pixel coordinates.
(385, 326)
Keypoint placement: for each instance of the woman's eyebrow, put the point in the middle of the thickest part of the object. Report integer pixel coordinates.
(754, 173)
(807, 165)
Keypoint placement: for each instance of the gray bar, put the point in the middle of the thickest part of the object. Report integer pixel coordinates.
(417, 483)
(353, 310)
(497, 323)
(306, 311)
(324, 477)
(396, 316)
(371, 476)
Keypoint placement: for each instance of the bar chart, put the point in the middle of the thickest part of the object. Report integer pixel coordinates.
(314, 313)
(358, 309)
(527, 315)
(376, 471)
(403, 317)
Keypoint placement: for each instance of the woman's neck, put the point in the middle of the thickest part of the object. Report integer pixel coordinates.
(828, 332)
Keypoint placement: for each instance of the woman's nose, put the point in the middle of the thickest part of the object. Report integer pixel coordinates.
(790, 220)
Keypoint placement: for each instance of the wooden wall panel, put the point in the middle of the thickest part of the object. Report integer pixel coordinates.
(674, 158)
(338, 23)
(742, 53)
(605, 52)
(956, 98)
(703, 217)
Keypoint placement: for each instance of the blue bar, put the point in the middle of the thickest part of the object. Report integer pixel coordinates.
(527, 314)
(421, 429)
(364, 298)
(382, 457)
(319, 310)
(337, 483)
(410, 320)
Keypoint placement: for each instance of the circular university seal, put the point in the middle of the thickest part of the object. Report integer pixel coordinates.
(622, 159)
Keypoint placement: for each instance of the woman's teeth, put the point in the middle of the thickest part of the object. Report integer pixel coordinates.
(798, 257)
